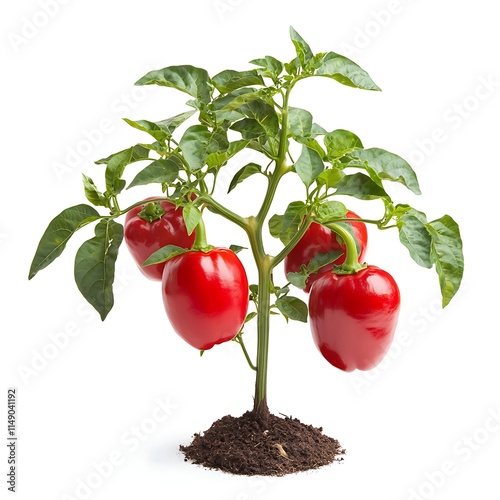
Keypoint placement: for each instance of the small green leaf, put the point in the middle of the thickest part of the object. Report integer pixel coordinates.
(218, 159)
(276, 225)
(194, 81)
(309, 165)
(163, 254)
(331, 210)
(95, 266)
(116, 163)
(244, 173)
(298, 279)
(273, 68)
(198, 142)
(330, 177)
(345, 71)
(264, 115)
(300, 122)
(250, 316)
(415, 236)
(229, 80)
(192, 217)
(160, 171)
(322, 259)
(360, 186)
(93, 194)
(57, 234)
(237, 248)
(389, 166)
(340, 142)
(163, 129)
(447, 255)
(292, 308)
(293, 216)
(302, 49)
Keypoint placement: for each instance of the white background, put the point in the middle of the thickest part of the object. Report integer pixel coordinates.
(429, 408)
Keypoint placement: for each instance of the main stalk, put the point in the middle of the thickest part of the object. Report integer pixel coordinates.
(264, 264)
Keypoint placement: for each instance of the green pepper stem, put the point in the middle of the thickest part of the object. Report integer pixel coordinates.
(351, 264)
(200, 241)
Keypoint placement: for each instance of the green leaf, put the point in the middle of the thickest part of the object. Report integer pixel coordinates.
(265, 115)
(300, 122)
(293, 216)
(116, 163)
(345, 71)
(229, 80)
(415, 236)
(237, 248)
(220, 158)
(447, 255)
(292, 308)
(194, 81)
(272, 67)
(250, 316)
(276, 225)
(330, 177)
(309, 165)
(95, 265)
(192, 217)
(163, 129)
(297, 279)
(93, 194)
(163, 254)
(161, 171)
(360, 186)
(232, 101)
(302, 49)
(389, 166)
(244, 173)
(57, 234)
(322, 259)
(198, 142)
(331, 210)
(340, 142)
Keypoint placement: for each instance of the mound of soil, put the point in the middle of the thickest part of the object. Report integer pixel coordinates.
(278, 446)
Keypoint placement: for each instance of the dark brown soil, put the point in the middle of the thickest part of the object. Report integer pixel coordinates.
(242, 445)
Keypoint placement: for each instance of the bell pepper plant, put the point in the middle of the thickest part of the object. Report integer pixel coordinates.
(353, 306)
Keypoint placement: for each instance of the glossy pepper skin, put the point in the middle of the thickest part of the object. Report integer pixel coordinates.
(354, 316)
(143, 237)
(205, 295)
(320, 239)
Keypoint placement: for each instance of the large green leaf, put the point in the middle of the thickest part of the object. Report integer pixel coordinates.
(57, 234)
(447, 255)
(389, 166)
(360, 186)
(160, 171)
(345, 71)
(198, 142)
(309, 165)
(229, 80)
(194, 81)
(163, 129)
(95, 266)
(192, 217)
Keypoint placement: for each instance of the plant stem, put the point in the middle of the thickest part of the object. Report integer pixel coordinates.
(351, 264)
